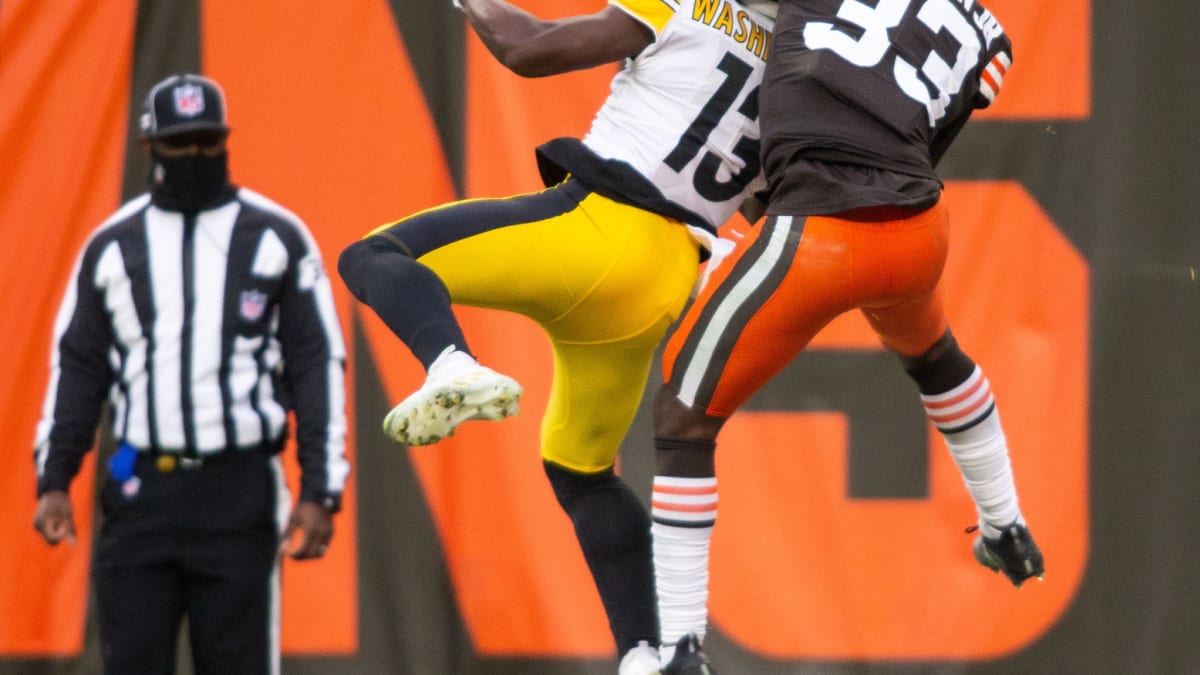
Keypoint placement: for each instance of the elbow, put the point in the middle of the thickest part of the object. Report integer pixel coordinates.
(532, 58)
(525, 65)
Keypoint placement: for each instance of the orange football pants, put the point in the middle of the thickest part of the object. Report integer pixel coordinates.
(788, 278)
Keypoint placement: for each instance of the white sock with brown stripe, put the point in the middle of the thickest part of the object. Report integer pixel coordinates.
(970, 424)
(684, 511)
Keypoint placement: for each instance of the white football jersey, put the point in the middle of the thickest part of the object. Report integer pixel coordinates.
(684, 112)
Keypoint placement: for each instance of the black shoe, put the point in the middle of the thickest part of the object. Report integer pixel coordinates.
(1014, 553)
(689, 658)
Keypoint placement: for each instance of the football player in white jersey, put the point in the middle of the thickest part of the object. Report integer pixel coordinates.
(603, 259)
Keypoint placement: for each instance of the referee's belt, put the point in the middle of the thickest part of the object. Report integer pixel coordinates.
(166, 462)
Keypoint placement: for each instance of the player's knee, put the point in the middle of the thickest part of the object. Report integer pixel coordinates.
(571, 486)
(603, 509)
(941, 367)
(674, 419)
(351, 262)
(685, 457)
(359, 262)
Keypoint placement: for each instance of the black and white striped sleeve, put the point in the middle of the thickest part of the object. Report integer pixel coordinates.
(314, 356)
(80, 375)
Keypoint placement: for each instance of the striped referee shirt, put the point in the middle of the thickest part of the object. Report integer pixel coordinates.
(202, 331)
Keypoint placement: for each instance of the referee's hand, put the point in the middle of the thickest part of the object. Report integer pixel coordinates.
(54, 518)
(316, 531)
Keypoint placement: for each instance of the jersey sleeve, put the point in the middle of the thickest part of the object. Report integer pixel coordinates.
(991, 75)
(315, 366)
(79, 377)
(652, 13)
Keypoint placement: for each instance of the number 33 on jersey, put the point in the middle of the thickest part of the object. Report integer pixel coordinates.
(930, 69)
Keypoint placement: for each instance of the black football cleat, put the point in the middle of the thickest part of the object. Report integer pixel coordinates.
(1014, 553)
(689, 658)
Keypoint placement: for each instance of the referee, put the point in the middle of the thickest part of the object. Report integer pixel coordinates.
(201, 312)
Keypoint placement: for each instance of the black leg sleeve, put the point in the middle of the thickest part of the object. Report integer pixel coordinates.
(685, 457)
(408, 296)
(613, 529)
(941, 368)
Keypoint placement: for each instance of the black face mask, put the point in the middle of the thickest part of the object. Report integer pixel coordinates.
(188, 183)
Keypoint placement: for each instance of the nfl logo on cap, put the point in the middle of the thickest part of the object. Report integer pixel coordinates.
(189, 100)
(184, 103)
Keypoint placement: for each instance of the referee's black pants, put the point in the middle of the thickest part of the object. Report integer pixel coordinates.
(201, 542)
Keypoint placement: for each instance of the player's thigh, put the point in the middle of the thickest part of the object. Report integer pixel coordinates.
(626, 269)
(781, 285)
(911, 327)
(604, 345)
(594, 396)
(528, 254)
(903, 303)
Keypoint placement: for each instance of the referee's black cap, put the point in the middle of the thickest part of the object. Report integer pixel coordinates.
(183, 104)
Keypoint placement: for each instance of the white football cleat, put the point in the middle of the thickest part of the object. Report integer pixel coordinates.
(457, 389)
(641, 660)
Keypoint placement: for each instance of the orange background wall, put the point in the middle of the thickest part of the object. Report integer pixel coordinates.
(331, 118)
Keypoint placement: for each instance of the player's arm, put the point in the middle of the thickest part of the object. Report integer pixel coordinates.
(534, 47)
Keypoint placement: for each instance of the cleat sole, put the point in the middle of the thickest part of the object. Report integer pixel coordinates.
(431, 415)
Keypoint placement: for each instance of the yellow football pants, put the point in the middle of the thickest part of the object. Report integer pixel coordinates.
(604, 279)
